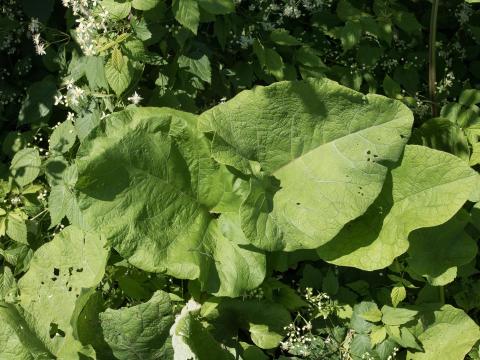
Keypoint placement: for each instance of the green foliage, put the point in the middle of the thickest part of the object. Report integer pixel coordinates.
(220, 179)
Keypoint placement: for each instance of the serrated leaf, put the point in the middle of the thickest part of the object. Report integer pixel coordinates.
(144, 4)
(62, 200)
(378, 334)
(198, 65)
(8, 285)
(398, 294)
(117, 9)
(296, 132)
(16, 227)
(187, 13)
(119, 73)
(63, 137)
(375, 239)
(397, 316)
(25, 166)
(140, 331)
(372, 314)
(95, 72)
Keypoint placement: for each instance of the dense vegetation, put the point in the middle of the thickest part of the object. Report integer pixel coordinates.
(248, 179)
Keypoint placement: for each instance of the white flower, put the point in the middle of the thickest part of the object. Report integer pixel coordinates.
(36, 39)
(34, 25)
(69, 83)
(40, 49)
(58, 99)
(135, 98)
(70, 116)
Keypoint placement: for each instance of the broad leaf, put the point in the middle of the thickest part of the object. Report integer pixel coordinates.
(63, 137)
(17, 340)
(397, 316)
(450, 332)
(140, 331)
(148, 183)
(425, 190)
(318, 145)
(58, 272)
(25, 166)
(436, 253)
(264, 321)
(191, 340)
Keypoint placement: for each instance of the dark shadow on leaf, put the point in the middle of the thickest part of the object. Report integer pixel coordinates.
(362, 231)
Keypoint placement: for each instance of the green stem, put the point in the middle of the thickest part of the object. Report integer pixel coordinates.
(432, 66)
(441, 291)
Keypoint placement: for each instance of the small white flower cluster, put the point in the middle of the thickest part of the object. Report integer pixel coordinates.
(91, 22)
(42, 195)
(11, 10)
(446, 83)
(298, 338)
(73, 96)
(393, 355)
(256, 294)
(34, 28)
(321, 303)
(463, 12)
(15, 201)
(367, 356)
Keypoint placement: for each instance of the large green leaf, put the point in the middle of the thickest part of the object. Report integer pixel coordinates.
(436, 253)
(425, 190)
(327, 146)
(187, 13)
(449, 332)
(148, 183)
(58, 272)
(17, 341)
(141, 331)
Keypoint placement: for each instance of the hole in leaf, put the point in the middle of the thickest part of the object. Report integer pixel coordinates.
(70, 270)
(402, 136)
(53, 278)
(55, 331)
(298, 203)
(215, 215)
(70, 289)
(375, 156)
(56, 271)
(369, 152)
(79, 269)
(42, 283)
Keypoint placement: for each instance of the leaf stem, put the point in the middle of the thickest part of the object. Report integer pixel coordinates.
(441, 291)
(432, 66)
